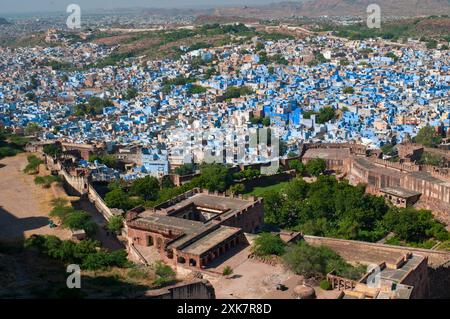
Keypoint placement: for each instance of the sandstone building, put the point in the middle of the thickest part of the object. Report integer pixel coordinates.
(196, 227)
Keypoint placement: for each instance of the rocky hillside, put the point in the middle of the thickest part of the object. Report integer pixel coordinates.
(341, 8)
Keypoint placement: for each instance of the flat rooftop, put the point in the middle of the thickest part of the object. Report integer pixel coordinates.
(428, 177)
(380, 170)
(397, 275)
(212, 239)
(400, 192)
(327, 153)
(213, 201)
(185, 226)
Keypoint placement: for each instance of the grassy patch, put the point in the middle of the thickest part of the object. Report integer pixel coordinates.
(260, 191)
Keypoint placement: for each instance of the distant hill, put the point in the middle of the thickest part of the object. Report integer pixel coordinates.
(409, 8)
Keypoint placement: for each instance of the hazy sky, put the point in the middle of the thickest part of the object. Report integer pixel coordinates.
(25, 6)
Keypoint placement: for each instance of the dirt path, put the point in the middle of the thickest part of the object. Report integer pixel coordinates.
(24, 206)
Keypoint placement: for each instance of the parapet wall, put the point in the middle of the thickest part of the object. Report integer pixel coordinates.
(358, 251)
(81, 186)
(98, 202)
(437, 277)
(357, 149)
(397, 166)
(197, 289)
(194, 191)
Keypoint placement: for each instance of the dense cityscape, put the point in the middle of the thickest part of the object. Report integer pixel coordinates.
(223, 153)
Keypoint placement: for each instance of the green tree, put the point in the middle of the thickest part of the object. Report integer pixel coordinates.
(196, 89)
(131, 94)
(387, 149)
(348, 90)
(146, 187)
(103, 259)
(115, 223)
(80, 220)
(299, 167)
(185, 169)
(237, 189)
(316, 166)
(31, 96)
(47, 181)
(108, 160)
(32, 129)
(164, 273)
(235, 92)
(215, 177)
(166, 182)
(117, 198)
(428, 158)
(273, 204)
(84, 248)
(259, 46)
(267, 244)
(325, 114)
(427, 136)
(52, 246)
(413, 225)
(33, 164)
(266, 121)
(431, 44)
(53, 150)
(296, 190)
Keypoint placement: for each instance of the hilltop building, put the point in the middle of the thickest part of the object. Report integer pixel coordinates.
(195, 228)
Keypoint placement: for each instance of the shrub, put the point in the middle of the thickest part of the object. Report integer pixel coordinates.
(311, 261)
(35, 241)
(61, 212)
(80, 220)
(84, 248)
(33, 164)
(348, 90)
(227, 271)
(164, 274)
(237, 189)
(325, 285)
(137, 273)
(59, 202)
(104, 259)
(46, 181)
(7, 151)
(87, 252)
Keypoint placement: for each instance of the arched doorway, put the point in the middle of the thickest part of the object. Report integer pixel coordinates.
(149, 241)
